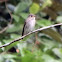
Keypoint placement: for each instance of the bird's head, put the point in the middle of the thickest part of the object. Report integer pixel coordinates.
(32, 16)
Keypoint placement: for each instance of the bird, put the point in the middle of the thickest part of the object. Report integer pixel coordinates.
(29, 24)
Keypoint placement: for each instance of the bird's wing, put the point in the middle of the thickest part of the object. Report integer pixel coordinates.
(23, 29)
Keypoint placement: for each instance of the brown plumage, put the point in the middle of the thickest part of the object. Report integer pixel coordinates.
(29, 24)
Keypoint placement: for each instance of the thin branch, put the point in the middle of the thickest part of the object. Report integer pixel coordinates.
(3, 30)
(8, 12)
(29, 34)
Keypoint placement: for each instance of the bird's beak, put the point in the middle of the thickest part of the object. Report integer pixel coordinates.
(34, 16)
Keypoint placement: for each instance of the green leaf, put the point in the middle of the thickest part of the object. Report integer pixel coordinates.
(13, 36)
(9, 56)
(48, 58)
(54, 34)
(59, 19)
(34, 8)
(48, 3)
(13, 28)
(58, 52)
(21, 6)
(16, 18)
(24, 15)
(33, 57)
(44, 22)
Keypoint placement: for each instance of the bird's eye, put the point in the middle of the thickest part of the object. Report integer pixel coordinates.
(31, 16)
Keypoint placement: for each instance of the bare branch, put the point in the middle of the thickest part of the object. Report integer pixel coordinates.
(8, 12)
(29, 34)
(3, 30)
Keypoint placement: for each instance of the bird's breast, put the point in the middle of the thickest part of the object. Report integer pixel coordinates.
(31, 25)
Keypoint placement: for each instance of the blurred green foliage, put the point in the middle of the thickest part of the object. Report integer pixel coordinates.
(49, 48)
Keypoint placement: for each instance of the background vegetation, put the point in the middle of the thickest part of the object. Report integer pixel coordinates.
(12, 16)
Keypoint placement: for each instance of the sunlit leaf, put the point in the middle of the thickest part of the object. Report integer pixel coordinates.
(34, 8)
(49, 58)
(59, 19)
(58, 52)
(47, 3)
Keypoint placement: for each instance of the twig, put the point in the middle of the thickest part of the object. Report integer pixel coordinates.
(8, 12)
(29, 34)
(4, 29)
